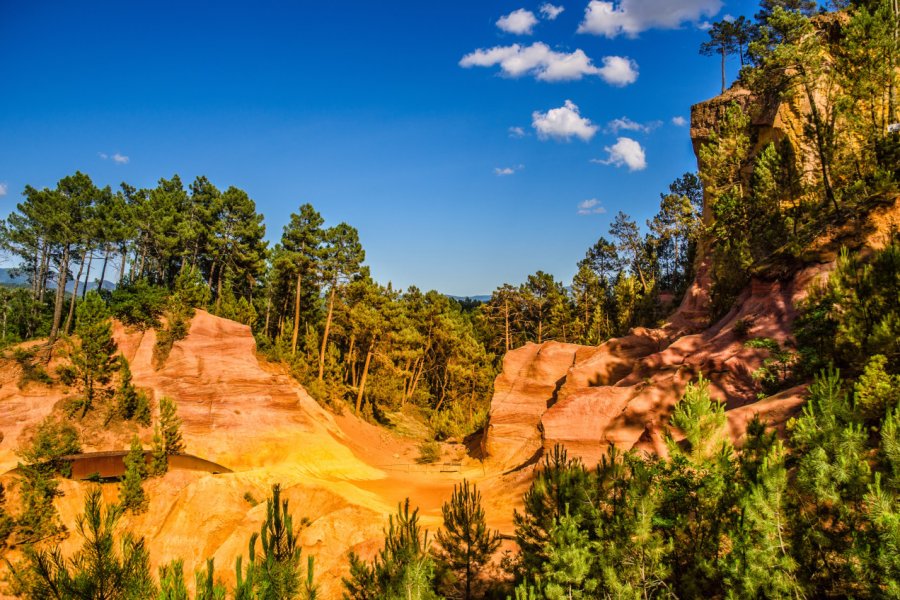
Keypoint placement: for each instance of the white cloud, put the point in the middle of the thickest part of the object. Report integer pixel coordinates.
(626, 124)
(550, 12)
(679, 121)
(631, 17)
(506, 171)
(563, 123)
(4, 189)
(591, 207)
(704, 25)
(625, 152)
(516, 132)
(519, 22)
(618, 70)
(119, 159)
(545, 64)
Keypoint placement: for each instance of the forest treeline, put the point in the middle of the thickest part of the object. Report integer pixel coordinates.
(309, 298)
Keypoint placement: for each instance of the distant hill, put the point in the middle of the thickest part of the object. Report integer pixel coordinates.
(480, 298)
(9, 279)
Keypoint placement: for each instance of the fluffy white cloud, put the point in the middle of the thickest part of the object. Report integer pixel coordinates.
(506, 171)
(516, 132)
(550, 12)
(119, 159)
(626, 124)
(625, 152)
(679, 121)
(519, 22)
(631, 17)
(618, 70)
(563, 123)
(4, 189)
(591, 207)
(545, 64)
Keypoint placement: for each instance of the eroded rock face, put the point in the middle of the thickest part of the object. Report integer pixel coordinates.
(623, 392)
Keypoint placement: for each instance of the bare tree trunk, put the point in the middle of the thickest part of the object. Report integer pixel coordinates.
(325, 333)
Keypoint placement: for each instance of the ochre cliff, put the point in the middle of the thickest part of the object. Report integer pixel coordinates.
(623, 392)
(344, 475)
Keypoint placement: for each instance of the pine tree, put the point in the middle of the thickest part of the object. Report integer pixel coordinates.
(721, 42)
(465, 544)
(170, 427)
(171, 581)
(106, 566)
(159, 460)
(301, 242)
(131, 403)
(94, 359)
(276, 574)
(131, 490)
(207, 587)
(402, 569)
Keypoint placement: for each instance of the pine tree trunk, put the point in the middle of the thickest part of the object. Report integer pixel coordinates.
(296, 314)
(87, 275)
(723, 69)
(327, 328)
(506, 319)
(72, 301)
(365, 375)
(60, 293)
(103, 268)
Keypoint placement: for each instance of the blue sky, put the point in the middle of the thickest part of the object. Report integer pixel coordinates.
(371, 112)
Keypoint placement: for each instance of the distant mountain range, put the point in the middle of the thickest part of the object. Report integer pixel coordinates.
(9, 278)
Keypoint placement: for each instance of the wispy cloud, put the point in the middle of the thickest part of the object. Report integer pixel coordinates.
(625, 152)
(591, 207)
(516, 132)
(507, 171)
(545, 64)
(563, 123)
(519, 22)
(626, 124)
(119, 159)
(550, 11)
(631, 17)
(679, 121)
(4, 189)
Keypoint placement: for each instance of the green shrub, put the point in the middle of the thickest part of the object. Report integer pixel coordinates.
(177, 329)
(429, 452)
(32, 370)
